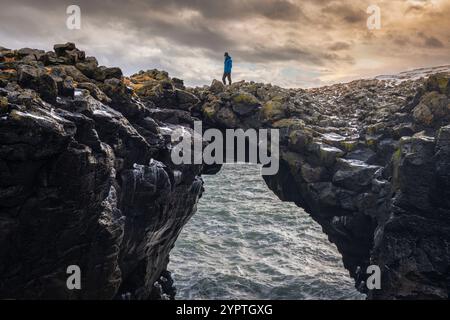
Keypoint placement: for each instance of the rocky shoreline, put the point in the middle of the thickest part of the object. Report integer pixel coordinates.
(86, 176)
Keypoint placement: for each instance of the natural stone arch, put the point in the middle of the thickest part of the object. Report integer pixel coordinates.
(85, 166)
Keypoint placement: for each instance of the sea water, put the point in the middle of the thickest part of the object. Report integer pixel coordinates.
(244, 243)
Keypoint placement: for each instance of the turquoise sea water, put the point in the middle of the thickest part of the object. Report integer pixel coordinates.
(244, 243)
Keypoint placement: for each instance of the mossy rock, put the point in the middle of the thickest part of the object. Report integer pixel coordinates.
(150, 83)
(438, 83)
(252, 88)
(226, 117)
(443, 84)
(432, 107)
(149, 75)
(290, 123)
(209, 110)
(274, 110)
(294, 160)
(3, 105)
(349, 145)
(16, 115)
(148, 89)
(299, 140)
(244, 98)
(217, 87)
(372, 142)
(244, 103)
(328, 154)
(374, 128)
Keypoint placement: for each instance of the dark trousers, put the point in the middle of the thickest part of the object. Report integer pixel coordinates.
(225, 76)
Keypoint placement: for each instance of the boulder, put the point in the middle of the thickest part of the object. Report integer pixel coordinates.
(217, 87)
(65, 85)
(227, 118)
(117, 91)
(354, 175)
(22, 53)
(48, 88)
(113, 73)
(290, 123)
(99, 74)
(64, 71)
(60, 49)
(299, 140)
(94, 91)
(178, 84)
(325, 154)
(73, 56)
(210, 109)
(103, 73)
(51, 58)
(185, 99)
(38, 80)
(313, 174)
(439, 83)
(274, 110)
(28, 76)
(365, 155)
(432, 108)
(88, 66)
(403, 130)
(244, 103)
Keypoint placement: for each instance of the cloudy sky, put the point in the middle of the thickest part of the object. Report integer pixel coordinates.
(293, 43)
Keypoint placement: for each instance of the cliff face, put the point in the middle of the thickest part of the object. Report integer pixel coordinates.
(86, 176)
(369, 160)
(85, 179)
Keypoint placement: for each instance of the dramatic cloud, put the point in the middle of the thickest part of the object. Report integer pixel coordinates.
(339, 46)
(286, 42)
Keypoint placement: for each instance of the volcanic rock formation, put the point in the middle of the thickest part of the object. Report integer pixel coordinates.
(86, 176)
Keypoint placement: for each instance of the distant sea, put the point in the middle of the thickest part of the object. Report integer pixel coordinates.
(244, 243)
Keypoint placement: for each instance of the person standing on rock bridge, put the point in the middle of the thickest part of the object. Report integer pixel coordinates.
(227, 69)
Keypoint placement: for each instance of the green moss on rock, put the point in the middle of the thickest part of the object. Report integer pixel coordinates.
(294, 124)
(3, 105)
(273, 110)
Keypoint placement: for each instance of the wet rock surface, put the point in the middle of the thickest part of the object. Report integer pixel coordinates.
(368, 160)
(85, 179)
(86, 176)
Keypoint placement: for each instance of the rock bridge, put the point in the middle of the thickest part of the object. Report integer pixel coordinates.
(86, 176)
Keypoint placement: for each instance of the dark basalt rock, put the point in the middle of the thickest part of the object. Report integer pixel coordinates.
(244, 103)
(86, 176)
(354, 157)
(85, 179)
(60, 49)
(88, 67)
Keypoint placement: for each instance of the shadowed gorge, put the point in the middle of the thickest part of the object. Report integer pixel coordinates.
(86, 176)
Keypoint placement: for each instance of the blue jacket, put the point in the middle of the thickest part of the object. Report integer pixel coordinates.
(228, 64)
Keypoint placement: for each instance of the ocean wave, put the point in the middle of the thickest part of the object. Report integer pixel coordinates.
(244, 243)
